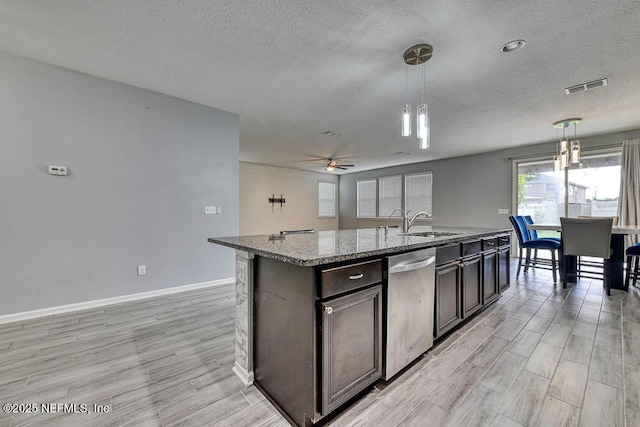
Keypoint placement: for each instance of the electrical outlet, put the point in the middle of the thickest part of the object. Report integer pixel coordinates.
(503, 211)
(218, 210)
(209, 210)
(142, 270)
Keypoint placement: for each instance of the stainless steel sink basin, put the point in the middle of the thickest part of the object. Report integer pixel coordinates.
(429, 234)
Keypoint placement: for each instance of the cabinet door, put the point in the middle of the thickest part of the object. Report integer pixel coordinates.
(351, 345)
(471, 286)
(490, 277)
(503, 269)
(448, 312)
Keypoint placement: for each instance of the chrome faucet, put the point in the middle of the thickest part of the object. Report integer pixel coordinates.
(413, 218)
(405, 220)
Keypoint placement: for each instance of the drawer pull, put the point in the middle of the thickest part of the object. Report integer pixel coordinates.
(356, 276)
(491, 243)
(328, 310)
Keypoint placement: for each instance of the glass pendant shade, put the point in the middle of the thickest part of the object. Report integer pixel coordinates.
(575, 151)
(406, 120)
(421, 118)
(425, 140)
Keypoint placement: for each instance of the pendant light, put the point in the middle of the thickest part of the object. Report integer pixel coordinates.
(406, 110)
(417, 55)
(568, 152)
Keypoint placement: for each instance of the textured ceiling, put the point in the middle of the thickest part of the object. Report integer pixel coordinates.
(294, 69)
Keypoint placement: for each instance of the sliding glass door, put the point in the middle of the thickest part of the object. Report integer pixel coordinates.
(588, 189)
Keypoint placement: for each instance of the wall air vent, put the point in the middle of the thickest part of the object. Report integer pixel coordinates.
(585, 86)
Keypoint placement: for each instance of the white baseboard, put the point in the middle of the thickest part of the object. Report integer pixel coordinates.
(245, 377)
(16, 317)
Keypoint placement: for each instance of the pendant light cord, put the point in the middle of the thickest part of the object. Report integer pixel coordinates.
(422, 98)
(406, 83)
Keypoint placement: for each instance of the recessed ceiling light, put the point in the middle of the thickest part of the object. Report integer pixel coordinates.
(511, 46)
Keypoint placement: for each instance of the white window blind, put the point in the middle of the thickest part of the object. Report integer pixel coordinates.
(389, 195)
(366, 198)
(417, 188)
(326, 199)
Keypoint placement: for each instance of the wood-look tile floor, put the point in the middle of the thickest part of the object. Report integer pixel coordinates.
(540, 356)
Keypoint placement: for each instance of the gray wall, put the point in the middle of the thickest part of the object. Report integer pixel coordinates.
(142, 167)
(467, 191)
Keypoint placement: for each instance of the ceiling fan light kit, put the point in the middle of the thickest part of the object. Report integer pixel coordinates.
(333, 165)
(417, 55)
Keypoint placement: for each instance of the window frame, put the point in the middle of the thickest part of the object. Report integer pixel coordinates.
(403, 193)
(335, 200)
(375, 204)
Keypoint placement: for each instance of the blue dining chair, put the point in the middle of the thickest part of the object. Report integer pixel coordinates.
(526, 243)
(633, 265)
(533, 234)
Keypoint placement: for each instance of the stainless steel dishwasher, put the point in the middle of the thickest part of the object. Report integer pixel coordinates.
(410, 305)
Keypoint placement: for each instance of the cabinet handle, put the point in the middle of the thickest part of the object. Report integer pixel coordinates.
(356, 276)
(328, 310)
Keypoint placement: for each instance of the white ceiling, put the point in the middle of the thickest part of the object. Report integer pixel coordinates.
(293, 69)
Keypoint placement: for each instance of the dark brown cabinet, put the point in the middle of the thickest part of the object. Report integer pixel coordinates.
(448, 312)
(490, 277)
(469, 275)
(491, 290)
(503, 264)
(351, 345)
(317, 334)
(471, 285)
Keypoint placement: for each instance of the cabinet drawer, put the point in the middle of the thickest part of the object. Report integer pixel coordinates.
(471, 248)
(342, 279)
(445, 254)
(489, 244)
(504, 240)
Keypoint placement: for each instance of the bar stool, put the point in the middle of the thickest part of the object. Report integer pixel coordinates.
(633, 265)
(525, 242)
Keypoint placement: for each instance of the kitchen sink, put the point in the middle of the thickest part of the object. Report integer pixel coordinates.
(429, 234)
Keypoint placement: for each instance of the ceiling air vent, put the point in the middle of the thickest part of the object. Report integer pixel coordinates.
(585, 86)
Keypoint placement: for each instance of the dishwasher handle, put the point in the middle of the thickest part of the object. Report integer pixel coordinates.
(413, 266)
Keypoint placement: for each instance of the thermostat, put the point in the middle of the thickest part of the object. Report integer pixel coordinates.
(57, 170)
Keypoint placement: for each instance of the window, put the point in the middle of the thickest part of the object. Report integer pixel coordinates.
(389, 195)
(417, 188)
(366, 195)
(326, 199)
(588, 190)
(378, 198)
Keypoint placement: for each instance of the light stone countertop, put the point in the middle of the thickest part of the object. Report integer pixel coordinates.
(325, 247)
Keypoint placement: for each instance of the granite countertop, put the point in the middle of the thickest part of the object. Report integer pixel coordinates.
(325, 247)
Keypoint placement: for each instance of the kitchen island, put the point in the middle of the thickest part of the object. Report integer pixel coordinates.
(310, 308)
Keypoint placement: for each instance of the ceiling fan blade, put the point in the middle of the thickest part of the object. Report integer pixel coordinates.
(346, 166)
(340, 167)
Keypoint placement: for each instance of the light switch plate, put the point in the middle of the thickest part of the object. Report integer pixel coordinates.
(209, 210)
(218, 210)
(503, 211)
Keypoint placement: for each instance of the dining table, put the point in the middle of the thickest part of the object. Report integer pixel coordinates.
(618, 234)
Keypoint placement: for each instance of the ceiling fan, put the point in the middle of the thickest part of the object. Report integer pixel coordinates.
(333, 164)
